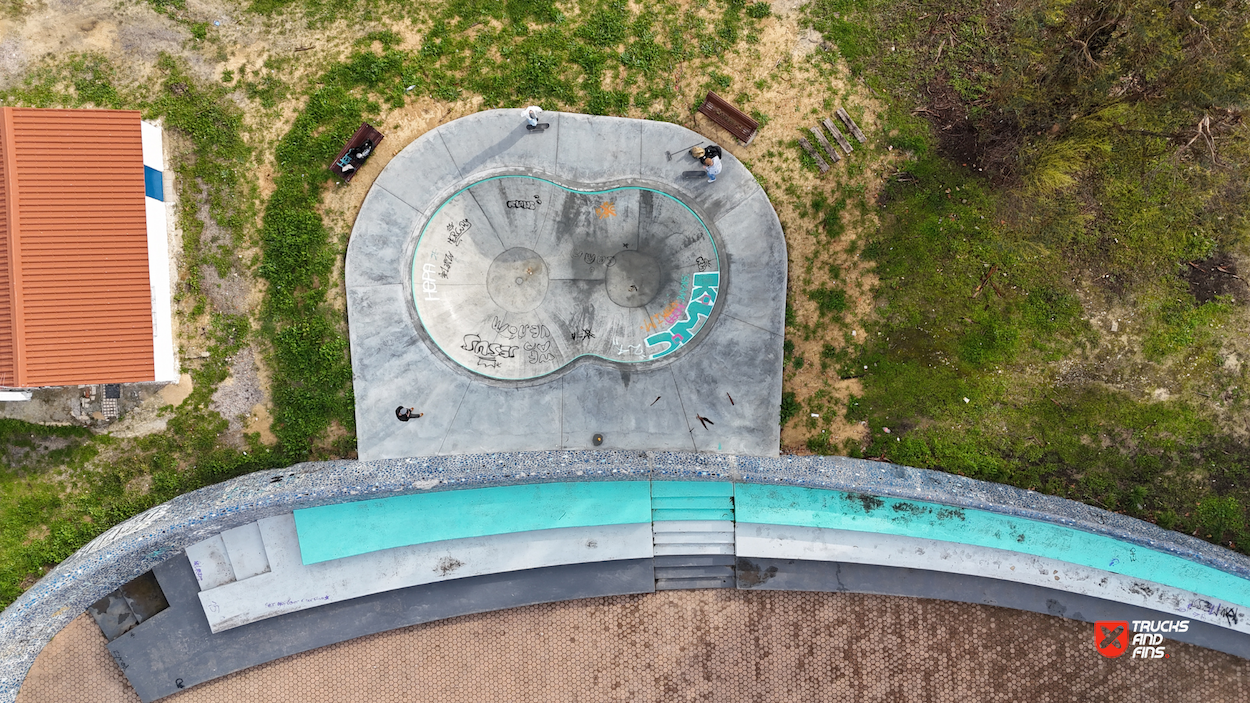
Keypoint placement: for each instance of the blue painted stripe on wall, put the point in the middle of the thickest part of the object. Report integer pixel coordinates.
(713, 502)
(153, 183)
(691, 514)
(346, 529)
(810, 507)
(687, 489)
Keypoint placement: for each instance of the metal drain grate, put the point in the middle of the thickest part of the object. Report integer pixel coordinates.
(112, 400)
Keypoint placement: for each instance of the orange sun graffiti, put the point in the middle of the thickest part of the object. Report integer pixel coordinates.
(606, 210)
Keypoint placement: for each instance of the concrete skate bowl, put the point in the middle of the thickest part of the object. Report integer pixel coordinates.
(517, 276)
(565, 289)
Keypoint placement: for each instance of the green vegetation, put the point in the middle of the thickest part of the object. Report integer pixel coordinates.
(1082, 164)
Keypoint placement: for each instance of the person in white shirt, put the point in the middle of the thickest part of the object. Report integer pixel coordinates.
(712, 166)
(531, 114)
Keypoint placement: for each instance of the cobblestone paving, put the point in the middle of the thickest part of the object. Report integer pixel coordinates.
(712, 646)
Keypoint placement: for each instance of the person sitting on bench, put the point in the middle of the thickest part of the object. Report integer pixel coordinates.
(354, 156)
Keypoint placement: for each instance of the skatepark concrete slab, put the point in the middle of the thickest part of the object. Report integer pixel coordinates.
(596, 150)
(498, 139)
(476, 203)
(420, 172)
(375, 250)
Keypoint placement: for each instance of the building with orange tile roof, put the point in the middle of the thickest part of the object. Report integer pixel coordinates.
(84, 255)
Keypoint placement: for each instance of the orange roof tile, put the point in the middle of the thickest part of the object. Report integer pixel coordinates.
(75, 298)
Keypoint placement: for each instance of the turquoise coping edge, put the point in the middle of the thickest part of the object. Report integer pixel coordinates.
(813, 507)
(347, 529)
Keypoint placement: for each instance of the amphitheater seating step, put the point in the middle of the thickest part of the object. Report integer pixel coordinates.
(693, 534)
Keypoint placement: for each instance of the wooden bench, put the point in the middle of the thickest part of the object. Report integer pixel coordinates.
(362, 135)
(731, 118)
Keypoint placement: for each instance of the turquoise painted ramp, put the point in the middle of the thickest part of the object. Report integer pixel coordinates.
(810, 507)
(346, 529)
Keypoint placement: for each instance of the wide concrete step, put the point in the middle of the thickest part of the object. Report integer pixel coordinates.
(693, 572)
(697, 502)
(663, 514)
(693, 583)
(687, 489)
(693, 548)
(726, 537)
(246, 551)
(672, 560)
(692, 526)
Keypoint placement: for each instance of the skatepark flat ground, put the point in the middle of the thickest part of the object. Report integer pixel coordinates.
(709, 645)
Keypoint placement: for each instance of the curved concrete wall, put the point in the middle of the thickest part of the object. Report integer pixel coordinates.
(147, 540)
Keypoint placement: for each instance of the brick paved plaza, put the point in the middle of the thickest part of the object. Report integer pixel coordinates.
(712, 645)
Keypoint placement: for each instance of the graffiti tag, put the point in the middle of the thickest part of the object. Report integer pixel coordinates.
(539, 353)
(594, 259)
(626, 349)
(488, 353)
(445, 269)
(456, 230)
(427, 281)
(519, 331)
(524, 204)
(702, 300)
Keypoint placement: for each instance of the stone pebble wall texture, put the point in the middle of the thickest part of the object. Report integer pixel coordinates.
(136, 545)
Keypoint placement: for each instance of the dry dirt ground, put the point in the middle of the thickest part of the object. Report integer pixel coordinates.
(781, 75)
(706, 645)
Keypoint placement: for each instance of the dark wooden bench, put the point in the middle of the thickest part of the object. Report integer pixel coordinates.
(362, 135)
(731, 118)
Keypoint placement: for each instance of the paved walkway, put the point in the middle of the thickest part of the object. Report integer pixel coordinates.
(692, 646)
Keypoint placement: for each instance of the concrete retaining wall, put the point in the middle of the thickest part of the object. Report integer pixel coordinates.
(141, 543)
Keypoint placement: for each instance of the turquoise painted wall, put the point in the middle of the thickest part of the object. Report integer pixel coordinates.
(810, 507)
(346, 529)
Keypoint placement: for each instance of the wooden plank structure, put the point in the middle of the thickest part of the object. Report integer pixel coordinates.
(820, 137)
(850, 124)
(837, 134)
(731, 118)
(807, 146)
(366, 133)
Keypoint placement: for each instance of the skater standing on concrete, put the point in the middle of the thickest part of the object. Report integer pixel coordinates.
(531, 115)
(710, 158)
(406, 414)
(712, 166)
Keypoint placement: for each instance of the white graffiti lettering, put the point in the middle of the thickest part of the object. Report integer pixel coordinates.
(427, 281)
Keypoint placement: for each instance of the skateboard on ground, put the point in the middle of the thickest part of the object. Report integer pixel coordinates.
(540, 127)
(694, 174)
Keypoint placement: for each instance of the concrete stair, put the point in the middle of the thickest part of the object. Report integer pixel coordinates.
(693, 534)
(234, 555)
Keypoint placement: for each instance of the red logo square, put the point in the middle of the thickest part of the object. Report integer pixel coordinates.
(1111, 637)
